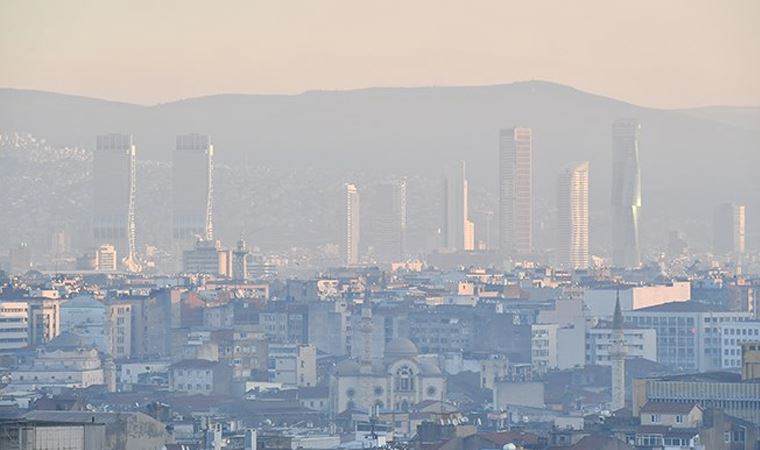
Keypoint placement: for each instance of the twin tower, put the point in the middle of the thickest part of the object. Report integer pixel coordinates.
(115, 189)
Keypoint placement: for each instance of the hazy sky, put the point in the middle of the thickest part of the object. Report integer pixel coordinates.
(671, 53)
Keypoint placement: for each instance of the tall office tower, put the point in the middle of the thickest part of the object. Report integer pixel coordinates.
(516, 191)
(572, 217)
(390, 209)
(617, 358)
(626, 193)
(729, 223)
(351, 225)
(114, 197)
(192, 189)
(240, 261)
(458, 230)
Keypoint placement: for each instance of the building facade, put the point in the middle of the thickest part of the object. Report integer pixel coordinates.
(516, 191)
(572, 217)
(626, 193)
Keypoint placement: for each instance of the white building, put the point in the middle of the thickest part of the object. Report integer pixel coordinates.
(351, 225)
(105, 258)
(601, 302)
(732, 335)
(67, 361)
(555, 346)
(688, 333)
(572, 217)
(639, 343)
(293, 364)
(14, 326)
(399, 380)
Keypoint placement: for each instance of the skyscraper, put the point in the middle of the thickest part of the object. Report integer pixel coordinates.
(458, 231)
(390, 219)
(114, 189)
(626, 193)
(729, 223)
(192, 191)
(351, 225)
(516, 191)
(572, 217)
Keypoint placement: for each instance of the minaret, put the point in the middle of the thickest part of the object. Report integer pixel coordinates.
(240, 261)
(366, 327)
(617, 358)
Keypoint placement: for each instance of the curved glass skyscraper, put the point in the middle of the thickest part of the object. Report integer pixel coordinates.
(626, 193)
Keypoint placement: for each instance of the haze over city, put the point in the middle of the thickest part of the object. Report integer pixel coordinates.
(384, 225)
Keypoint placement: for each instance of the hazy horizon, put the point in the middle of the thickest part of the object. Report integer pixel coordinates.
(148, 53)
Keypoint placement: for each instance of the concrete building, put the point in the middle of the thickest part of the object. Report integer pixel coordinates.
(626, 193)
(44, 319)
(390, 220)
(66, 361)
(114, 188)
(555, 346)
(85, 317)
(293, 364)
(200, 377)
(601, 302)
(751, 360)
(688, 333)
(639, 343)
(192, 191)
(84, 430)
(572, 217)
(458, 230)
(118, 330)
(14, 326)
(106, 258)
(733, 336)
(726, 391)
(729, 230)
(516, 191)
(208, 257)
(351, 225)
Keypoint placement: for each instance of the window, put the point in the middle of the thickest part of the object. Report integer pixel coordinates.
(727, 437)
(404, 379)
(679, 419)
(655, 418)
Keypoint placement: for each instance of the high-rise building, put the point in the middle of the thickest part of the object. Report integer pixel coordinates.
(192, 191)
(626, 193)
(516, 191)
(105, 258)
(390, 219)
(458, 230)
(20, 258)
(729, 223)
(114, 196)
(572, 217)
(351, 225)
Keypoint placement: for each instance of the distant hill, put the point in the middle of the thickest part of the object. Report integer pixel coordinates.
(690, 159)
